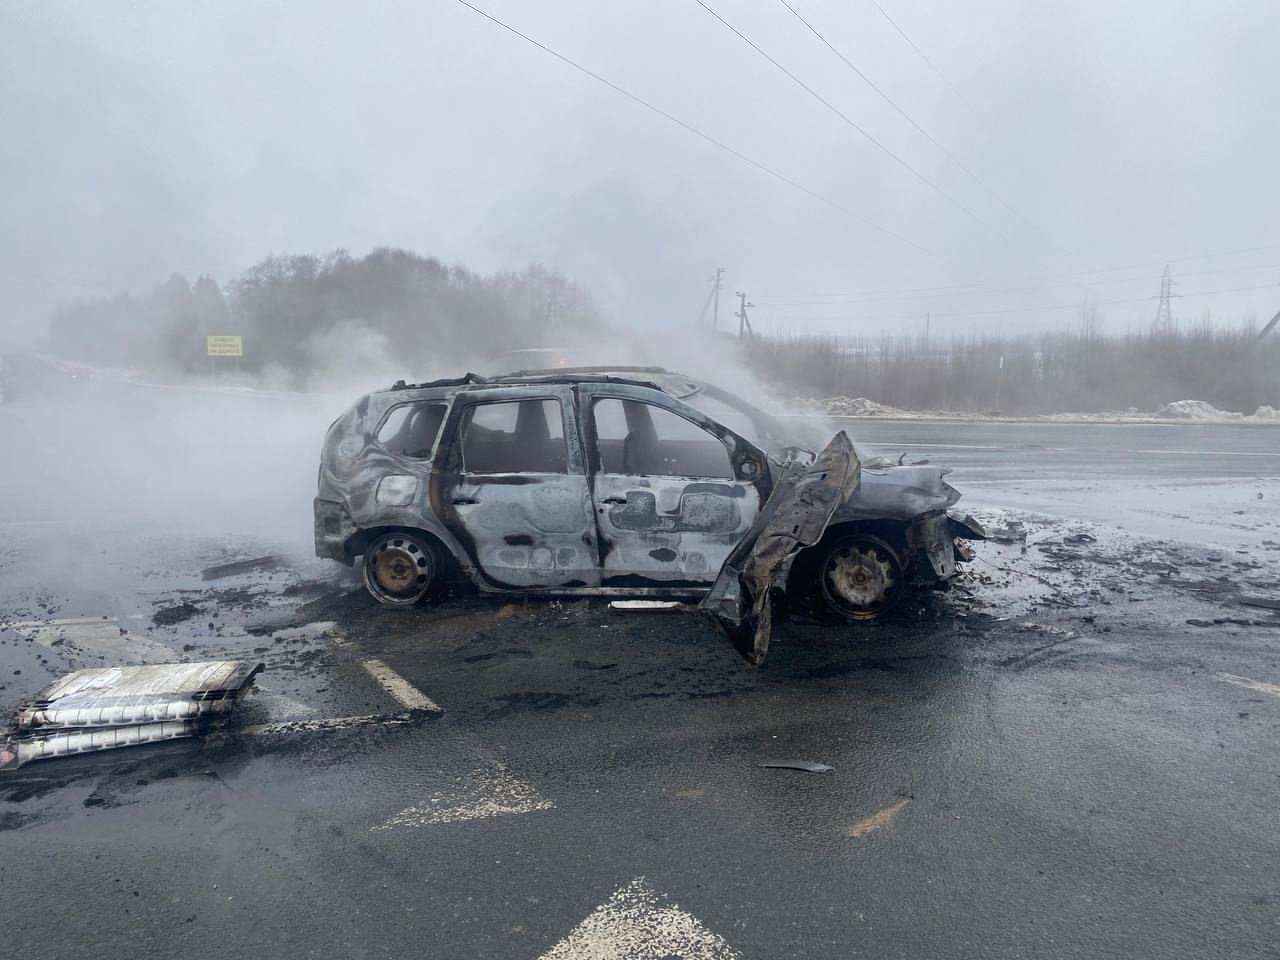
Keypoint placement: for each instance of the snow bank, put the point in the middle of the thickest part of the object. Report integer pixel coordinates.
(1182, 411)
(1195, 410)
(858, 407)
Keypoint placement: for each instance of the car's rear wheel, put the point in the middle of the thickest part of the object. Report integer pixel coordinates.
(860, 577)
(398, 568)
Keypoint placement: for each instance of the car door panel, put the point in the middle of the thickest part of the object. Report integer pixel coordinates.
(524, 529)
(670, 530)
(659, 530)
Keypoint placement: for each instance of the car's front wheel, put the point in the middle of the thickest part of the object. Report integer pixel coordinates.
(398, 568)
(860, 577)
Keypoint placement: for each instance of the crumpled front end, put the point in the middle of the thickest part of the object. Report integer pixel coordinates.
(795, 516)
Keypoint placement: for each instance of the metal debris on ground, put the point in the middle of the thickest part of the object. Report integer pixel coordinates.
(1015, 532)
(107, 707)
(808, 766)
(1080, 538)
(652, 606)
(221, 570)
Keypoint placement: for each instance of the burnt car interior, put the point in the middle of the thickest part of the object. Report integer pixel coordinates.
(514, 436)
(635, 438)
(411, 429)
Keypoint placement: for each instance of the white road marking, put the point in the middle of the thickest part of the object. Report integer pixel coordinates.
(332, 723)
(487, 792)
(877, 820)
(405, 693)
(1257, 685)
(638, 923)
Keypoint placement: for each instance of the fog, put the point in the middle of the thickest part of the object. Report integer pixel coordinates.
(1089, 145)
(147, 139)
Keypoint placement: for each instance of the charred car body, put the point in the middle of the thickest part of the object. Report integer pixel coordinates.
(628, 482)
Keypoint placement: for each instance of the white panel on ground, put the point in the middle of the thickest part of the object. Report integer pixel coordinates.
(487, 792)
(638, 923)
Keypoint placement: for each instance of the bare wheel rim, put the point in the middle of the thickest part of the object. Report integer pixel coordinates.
(398, 569)
(861, 578)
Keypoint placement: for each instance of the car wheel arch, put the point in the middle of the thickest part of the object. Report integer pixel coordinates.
(442, 553)
(804, 572)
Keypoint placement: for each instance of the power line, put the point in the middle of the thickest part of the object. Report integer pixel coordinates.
(972, 293)
(1063, 306)
(1005, 283)
(710, 139)
(921, 55)
(830, 106)
(925, 133)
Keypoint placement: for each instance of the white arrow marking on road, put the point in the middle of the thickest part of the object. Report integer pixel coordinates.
(1257, 685)
(487, 792)
(638, 923)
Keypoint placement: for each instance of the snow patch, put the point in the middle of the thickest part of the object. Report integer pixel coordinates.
(1195, 410)
(1179, 411)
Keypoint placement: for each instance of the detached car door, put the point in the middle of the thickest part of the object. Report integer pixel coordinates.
(513, 489)
(673, 491)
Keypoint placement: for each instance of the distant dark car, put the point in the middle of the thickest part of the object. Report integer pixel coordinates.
(632, 482)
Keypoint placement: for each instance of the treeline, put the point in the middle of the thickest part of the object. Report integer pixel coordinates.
(287, 309)
(1077, 370)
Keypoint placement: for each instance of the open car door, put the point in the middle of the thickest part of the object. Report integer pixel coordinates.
(795, 516)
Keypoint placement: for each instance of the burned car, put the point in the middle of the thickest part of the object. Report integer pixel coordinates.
(623, 482)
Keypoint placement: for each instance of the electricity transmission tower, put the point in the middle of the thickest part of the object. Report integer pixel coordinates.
(1164, 313)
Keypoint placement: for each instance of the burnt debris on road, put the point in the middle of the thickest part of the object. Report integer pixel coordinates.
(110, 707)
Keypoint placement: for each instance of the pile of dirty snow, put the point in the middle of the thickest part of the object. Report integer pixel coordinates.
(1195, 410)
(1181, 411)
(858, 407)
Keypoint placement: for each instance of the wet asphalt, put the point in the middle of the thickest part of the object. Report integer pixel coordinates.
(1073, 754)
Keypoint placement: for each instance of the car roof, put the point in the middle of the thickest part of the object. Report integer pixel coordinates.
(674, 384)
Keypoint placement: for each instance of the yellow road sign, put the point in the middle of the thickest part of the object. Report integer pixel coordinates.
(225, 346)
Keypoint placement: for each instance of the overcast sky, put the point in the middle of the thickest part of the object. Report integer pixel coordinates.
(141, 139)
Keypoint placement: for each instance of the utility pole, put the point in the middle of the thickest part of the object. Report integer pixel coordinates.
(1164, 312)
(716, 286)
(744, 323)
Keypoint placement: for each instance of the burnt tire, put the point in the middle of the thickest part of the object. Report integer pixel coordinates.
(860, 577)
(398, 568)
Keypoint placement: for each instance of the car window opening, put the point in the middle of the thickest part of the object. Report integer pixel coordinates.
(515, 436)
(634, 438)
(411, 429)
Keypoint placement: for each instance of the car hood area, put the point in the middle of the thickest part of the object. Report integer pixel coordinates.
(891, 491)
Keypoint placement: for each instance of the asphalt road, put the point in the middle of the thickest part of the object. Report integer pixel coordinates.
(1051, 761)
